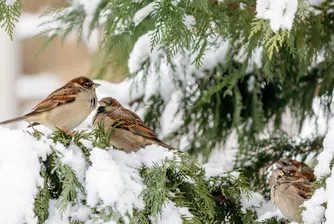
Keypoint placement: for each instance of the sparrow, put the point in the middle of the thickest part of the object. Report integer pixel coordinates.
(128, 131)
(291, 186)
(299, 169)
(65, 108)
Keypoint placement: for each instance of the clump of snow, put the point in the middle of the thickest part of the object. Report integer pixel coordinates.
(330, 198)
(263, 208)
(19, 174)
(315, 211)
(280, 13)
(189, 21)
(316, 2)
(112, 180)
(54, 216)
(10, 2)
(325, 157)
(172, 214)
(106, 181)
(143, 13)
(125, 181)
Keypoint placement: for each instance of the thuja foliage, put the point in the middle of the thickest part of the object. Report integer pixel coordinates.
(10, 12)
(236, 95)
(179, 180)
(230, 96)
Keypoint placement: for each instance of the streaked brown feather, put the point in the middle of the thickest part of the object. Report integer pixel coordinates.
(57, 98)
(131, 122)
(302, 189)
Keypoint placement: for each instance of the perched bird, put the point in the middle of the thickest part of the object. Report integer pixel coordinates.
(128, 131)
(290, 187)
(298, 169)
(65, 108)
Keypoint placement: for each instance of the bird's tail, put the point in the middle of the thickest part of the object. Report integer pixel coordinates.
(13, 120)
(166, 146)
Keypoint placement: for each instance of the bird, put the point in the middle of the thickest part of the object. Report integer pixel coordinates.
(65, 108)
(299, 169)
(290, 186)
(128, 131)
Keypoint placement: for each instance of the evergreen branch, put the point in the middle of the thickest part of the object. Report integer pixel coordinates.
(9, 15)
(41, 208)
(69, 182)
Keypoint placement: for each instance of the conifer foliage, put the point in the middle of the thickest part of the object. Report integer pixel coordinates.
(10, 11)
(228, 68)
(176, 181)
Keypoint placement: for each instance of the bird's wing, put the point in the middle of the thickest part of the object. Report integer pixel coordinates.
(58, 97)
(130, 121)
(301, 189)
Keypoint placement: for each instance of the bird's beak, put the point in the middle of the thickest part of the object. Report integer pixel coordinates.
(280, 173)
(102, 103)
(96, 84)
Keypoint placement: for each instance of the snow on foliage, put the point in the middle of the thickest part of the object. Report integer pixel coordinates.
(263, 208)
(19, 174)
(315, 209)
(280, 13)
(112, 180)
(143, 13)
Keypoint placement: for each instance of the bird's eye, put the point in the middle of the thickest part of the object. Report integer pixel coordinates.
(285, 163)
(88, 84)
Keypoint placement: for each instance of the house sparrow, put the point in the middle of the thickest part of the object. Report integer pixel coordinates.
(65, 108)
(128, 131)
(290, 187)
(299, 169)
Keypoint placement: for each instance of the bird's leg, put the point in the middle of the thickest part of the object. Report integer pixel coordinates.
(68, 131)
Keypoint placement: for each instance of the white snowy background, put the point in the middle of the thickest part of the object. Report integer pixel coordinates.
(20, 152)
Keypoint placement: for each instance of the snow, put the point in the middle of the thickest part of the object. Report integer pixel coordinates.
(280, 13)
(325, 157)
(143, 13)
(264, 209)
(172, 214)
(19, 174)
(316, 2)
(330, 198)
(90, 38)
(10, 2)
(99, 183)
(315, 211)
(189, 21)
(112, 180)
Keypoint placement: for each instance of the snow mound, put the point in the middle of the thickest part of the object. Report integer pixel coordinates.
(19, 174)
(113, 179)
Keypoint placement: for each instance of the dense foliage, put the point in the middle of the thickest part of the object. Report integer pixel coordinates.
(263, 77)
